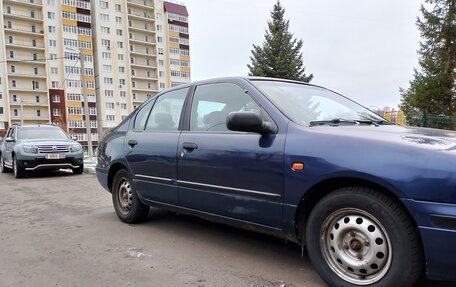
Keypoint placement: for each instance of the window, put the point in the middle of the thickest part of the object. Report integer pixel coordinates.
(119, 32)
(159, 27)
(51, 15)
(11, 54)
(13, 83)
(213, 102)
(54, 70)
(13, 69)
(106, 43)
(107, 68)
(53, 56)
(123, 94)
(108, 81)
(160, 39)
(38, 113)
(118, 19)
(106, 55)
(35, 71)
(110, 118)
(123, 106)
(104, 17)
(37, 99)
(105, 30)
(55, 98)
(167, 110)
(15, 113)
(160, 51)
(55, 84)
(143, 114)
(53, 43)
(118, 8)
(120, 45)
(104, 4)
(120, 57)
(51, 29)
(122, 82)
(121, 69)
(109, 106)
(109, 93)
(2, 123)
(56, 112)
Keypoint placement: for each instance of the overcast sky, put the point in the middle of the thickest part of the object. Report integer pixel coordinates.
(364, 49)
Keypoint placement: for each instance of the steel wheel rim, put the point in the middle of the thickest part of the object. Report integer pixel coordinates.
(125, 196)
(356, 246)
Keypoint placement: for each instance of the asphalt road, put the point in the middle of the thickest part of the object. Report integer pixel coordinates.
(57, 229)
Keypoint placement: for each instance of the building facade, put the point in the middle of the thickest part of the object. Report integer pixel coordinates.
(130, 51)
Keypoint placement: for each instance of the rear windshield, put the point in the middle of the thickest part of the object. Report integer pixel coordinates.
(54, 133)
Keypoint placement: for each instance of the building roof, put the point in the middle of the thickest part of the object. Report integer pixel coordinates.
(176, 9)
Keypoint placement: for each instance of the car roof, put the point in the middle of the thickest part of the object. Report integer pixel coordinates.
(37, 126)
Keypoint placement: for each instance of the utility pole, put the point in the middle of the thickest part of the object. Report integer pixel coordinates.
(86, 105)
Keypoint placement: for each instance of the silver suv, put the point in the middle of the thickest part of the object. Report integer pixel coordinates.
(27, 148)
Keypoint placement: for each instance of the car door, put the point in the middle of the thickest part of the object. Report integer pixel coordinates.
(151, 147)
(234, 174)
(9, 147)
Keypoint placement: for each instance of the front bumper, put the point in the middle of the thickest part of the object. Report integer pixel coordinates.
(41, 163)
(437, 226)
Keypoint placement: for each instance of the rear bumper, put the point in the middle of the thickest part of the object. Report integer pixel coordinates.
(437, 227)
(102, 176)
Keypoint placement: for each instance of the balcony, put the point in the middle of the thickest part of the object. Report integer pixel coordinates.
(24, 31)
(31, 118)
(141, 16)
(28, 104)
(26, 75)
(141, 4)
(24, 17)
(144, 77)
(144, 54)
(142, 29)
(144, 90)
(26, 90)
(143, 65)
(38, 61)
(26, 3)
(24, 46)
(143, 41)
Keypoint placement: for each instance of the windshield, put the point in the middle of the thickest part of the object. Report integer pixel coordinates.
(28, 133)
(306, 105)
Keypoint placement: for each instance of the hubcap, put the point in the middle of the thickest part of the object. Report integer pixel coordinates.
(125, 196)
(356, 246)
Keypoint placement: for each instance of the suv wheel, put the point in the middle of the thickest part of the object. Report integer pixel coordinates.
(358, 236)
(3, 168)
(79, 170)
(19, 171)
(126, 202)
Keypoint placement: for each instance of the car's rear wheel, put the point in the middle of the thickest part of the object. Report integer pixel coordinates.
(79, 170)
(19, 172)
(126, 202)
(359, 237)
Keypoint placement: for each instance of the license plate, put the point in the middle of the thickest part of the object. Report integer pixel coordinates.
(55, 155)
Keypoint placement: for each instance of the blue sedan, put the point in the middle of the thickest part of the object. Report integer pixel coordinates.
(374, 203)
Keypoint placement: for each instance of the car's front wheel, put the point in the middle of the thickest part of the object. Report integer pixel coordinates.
(126, 202)
(78, 170)
(18, 170)
(358, 237)
(3, 168)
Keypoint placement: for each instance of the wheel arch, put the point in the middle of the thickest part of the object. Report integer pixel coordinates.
(112, 172)
(325, 187)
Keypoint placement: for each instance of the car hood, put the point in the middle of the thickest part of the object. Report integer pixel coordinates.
(48, 142)
(425, 138)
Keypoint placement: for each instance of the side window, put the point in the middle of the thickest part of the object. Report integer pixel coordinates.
(13, 133)
(166, 113)
(141, 117)
(213, 102)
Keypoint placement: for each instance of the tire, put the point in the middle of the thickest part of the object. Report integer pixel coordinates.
(79, 170)
(357, 236)
(19, 171)
(126, 202)
(3, 168)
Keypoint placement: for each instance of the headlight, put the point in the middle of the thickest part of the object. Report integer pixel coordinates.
(30, 149)
(75, 148)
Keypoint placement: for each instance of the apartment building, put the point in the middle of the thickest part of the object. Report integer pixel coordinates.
(131, 50)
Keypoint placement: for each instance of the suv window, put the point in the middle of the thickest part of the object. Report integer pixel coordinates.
(167, 111)
(25, 133)
(143, 114)
(213, 102)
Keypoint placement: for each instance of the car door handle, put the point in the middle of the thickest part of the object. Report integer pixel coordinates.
(132, 143)
(190, 146)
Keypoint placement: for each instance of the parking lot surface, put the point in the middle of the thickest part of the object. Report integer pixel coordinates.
(59, 229)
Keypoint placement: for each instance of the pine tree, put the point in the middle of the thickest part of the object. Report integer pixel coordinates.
(433, 90)
(280, 56)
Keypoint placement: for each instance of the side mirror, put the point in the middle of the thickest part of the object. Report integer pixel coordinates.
(248, 122)
(9, 139)
(74, 138)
